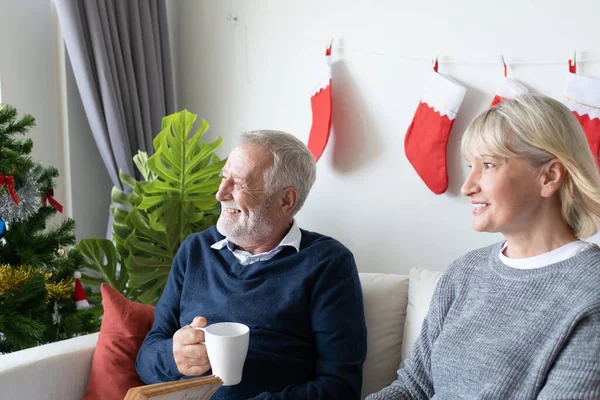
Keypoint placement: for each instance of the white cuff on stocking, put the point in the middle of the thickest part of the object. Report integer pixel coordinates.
(511, 88)
(582, 95)
(443, 95)
(321, 75)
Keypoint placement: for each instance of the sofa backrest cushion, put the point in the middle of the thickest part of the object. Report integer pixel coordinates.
(420, 291)
(385, 298)
(124, 326)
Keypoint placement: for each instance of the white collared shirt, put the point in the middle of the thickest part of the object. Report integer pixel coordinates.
(293, 238)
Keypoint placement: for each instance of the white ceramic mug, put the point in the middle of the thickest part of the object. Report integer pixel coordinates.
(227, 347)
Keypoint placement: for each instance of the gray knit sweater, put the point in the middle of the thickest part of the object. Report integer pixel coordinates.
(496, 332)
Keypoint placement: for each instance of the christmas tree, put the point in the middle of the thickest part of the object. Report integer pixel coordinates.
(38, 266)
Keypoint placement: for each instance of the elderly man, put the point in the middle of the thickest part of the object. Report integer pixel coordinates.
(298, 291)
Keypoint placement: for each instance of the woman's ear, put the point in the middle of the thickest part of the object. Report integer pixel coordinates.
(553, 173)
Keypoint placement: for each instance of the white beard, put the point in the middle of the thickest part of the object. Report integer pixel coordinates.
(248, 229)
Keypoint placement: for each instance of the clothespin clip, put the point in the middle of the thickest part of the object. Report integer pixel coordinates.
(573, 63)
(435, 64)
(504, 65)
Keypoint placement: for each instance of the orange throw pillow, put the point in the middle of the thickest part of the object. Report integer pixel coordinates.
(124, 326)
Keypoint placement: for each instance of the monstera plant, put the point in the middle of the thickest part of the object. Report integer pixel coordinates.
(175, 197)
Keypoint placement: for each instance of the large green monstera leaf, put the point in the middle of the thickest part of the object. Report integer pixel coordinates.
(101, 258)
(175, 198)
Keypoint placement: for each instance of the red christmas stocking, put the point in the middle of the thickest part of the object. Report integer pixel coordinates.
(427, 136)
(508, 89)
(582, 96)
(320, 102)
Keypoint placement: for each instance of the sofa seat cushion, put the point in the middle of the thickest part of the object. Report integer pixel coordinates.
(385, 298)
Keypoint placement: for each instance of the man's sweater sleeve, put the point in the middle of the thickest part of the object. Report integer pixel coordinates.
(576, 372)
(155, 362)
(414, 379)
(340, 336)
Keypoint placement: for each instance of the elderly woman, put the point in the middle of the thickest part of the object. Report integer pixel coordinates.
(519, 319)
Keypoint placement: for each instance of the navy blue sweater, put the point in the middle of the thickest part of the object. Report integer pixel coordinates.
(304, 310)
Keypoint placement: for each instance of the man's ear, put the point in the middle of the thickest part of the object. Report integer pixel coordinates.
(553, 173)
(288, 199)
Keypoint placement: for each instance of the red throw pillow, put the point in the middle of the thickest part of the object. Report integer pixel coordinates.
(124, 326)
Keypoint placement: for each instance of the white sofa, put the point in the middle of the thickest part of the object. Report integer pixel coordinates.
(395, 306)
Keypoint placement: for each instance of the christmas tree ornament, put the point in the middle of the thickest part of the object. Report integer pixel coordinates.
(61, 252)
(9, 181)
(28, 205)
(2, 228)
(427, 136)
(81, 302)
(509, 88)
(56, 314)
(320, 102)
(582, 96)
(49, 198)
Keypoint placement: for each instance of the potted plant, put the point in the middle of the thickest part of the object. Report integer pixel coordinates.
(174, 198)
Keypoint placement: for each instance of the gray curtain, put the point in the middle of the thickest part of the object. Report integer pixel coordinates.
(119, 50)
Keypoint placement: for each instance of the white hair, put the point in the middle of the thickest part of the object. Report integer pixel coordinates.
(293, 163)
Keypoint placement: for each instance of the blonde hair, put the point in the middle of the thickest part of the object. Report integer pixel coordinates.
(540, 129)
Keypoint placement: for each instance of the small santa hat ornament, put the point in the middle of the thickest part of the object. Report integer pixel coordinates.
(81, 302)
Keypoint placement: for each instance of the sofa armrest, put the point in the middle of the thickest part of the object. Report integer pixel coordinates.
(55, 371)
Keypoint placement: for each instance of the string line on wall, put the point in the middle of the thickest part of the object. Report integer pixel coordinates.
(449, 60)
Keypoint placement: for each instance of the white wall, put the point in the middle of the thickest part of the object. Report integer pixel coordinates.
(28, 71)
(255, 73)
(36, 81)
